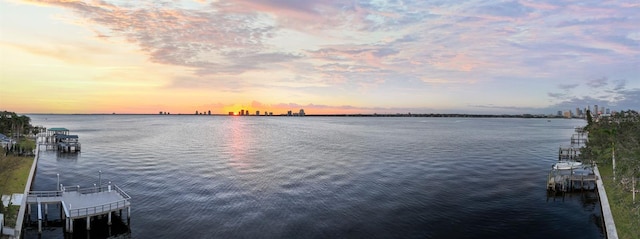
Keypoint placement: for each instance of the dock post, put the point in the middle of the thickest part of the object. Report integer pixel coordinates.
(128, 215)
(109, 219)
(70, 224)
(88, 223)
(39, 218)
(571, 179)
(46, 211)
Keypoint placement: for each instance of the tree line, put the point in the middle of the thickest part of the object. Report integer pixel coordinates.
(616, 136)
(16, 127)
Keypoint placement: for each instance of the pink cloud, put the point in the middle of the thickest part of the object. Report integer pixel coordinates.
(539, 5)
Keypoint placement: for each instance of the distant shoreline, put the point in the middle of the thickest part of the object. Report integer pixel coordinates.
(431, 115)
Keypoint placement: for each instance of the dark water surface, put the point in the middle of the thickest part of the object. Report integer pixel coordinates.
(324, 177)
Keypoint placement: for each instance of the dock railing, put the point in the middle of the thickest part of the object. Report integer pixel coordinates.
(122, 193)
(65, 209)
(85, 190)
(45, 193)
(99, 209)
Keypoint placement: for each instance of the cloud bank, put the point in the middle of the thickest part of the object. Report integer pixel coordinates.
(326, 46)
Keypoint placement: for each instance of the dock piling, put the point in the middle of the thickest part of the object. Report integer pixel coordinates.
(39, 218)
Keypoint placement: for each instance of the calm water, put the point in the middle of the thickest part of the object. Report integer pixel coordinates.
(323, 177)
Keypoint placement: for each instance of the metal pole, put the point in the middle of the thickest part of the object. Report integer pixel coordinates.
(100, 178)
(58, 185)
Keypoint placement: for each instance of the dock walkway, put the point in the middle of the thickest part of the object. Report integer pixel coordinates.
(81, 203)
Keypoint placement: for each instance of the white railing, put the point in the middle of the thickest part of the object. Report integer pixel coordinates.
(99, 209)
(85, 190)
(65, 209)
(87, 211)
(45, 193)
(122, 193)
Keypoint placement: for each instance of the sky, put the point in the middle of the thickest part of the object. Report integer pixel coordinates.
(323, 56)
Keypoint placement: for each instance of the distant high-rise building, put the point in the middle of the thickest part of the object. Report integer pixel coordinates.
(257, 112)
(241, 112)
(595, 107)
(578, 112)
(608, 111)
(209, 112)
(160, 112)
(559, 112)
(196, 112)
(231, 113)
(301, 112)
(567, 114)
(289, 113)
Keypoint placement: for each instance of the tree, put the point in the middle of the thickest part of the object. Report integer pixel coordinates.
(14, 125)
(622, 132)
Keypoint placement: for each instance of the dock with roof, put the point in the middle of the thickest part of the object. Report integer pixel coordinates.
(59, 139)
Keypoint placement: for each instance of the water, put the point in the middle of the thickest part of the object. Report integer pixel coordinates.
(324, 177)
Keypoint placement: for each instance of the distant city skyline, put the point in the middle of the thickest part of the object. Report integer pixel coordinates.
(582, 112)
(327, 57)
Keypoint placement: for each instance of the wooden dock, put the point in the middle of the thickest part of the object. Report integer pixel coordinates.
(569, 153)
(81, 203)
(566, 180)
(59, 139)
(574, 175)
(579, 139)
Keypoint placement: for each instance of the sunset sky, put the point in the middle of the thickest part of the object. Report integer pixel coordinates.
(326, 56)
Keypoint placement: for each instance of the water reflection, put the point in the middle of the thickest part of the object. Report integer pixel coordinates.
(238, 142)
(588, 201)
(67, 156)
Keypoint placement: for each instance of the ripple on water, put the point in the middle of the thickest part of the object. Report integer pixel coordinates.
(323, 177)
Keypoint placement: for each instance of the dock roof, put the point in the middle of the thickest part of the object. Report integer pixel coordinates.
(58, 129)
